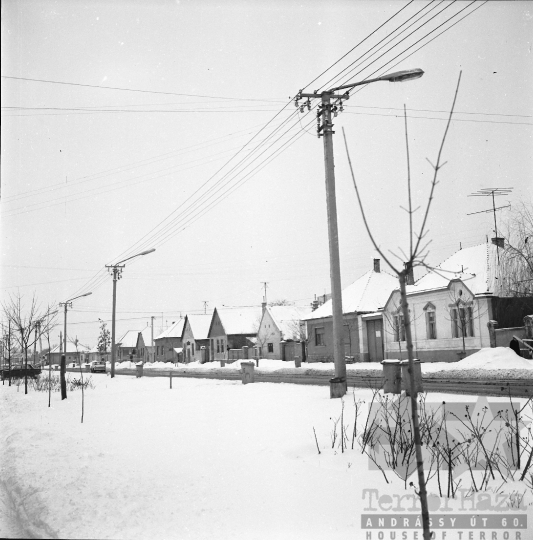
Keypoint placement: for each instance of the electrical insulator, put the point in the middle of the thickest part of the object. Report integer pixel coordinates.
(302, 108)
(308, 105)
(296, 104)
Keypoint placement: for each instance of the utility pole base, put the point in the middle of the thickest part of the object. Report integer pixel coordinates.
(337, 387)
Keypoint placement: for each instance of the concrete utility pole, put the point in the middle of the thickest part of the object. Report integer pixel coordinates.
(116, 271)
(338, 385)
(64, 355)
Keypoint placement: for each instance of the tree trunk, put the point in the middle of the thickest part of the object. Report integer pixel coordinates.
(26, 370)
(414, 407)
(62, 376)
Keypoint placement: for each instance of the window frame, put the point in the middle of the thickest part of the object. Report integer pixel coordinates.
(399, 327)
(320, 336)
(460, 330)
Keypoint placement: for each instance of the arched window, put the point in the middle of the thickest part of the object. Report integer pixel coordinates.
(399, 327)
(431, 321)
(462, 319)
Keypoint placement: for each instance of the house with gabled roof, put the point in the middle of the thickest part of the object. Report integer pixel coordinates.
(81, 353)
(362, 320)
(144, 350)
(232, 328)
(196, 336)
(280, 323)
(450, 307)
(126, 346)
(169, 343)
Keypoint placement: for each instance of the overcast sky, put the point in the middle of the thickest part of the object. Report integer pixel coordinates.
(195, 149)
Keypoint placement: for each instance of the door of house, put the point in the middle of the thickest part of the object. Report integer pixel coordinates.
(347, 341)
(374, 332)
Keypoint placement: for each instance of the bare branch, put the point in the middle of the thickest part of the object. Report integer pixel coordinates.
(409, 198)
(376, 247)
(436, 170)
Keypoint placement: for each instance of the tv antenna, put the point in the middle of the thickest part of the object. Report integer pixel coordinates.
(205, 306)
(493, 192)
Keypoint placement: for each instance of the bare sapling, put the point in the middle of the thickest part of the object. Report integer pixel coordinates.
(316, 440)
(357, 405)
(416, 257)
(76, 342)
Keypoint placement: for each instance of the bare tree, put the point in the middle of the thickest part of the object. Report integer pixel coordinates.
(7, 339)
(27, 323)
(464, 311)
(76, 344)
(104, 339)
(416, 257)
(46, 331)
(281, 302)
(516, 260)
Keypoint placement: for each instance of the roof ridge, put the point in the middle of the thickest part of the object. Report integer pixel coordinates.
(371, 273)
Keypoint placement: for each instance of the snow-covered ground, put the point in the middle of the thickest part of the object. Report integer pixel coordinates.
(207, 459)
(499, 362)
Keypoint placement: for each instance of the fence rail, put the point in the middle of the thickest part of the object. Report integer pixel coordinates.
(480, 387)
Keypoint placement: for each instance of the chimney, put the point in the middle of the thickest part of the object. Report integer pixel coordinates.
(498, 241)
(263, 305)
(410, 276)
(376, 266)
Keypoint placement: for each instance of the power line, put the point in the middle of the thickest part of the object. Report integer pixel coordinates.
(387, 39)
(162, 233)
(100, 87)
(355, 47)
(349, 79)
(134, 164)
(433, 38)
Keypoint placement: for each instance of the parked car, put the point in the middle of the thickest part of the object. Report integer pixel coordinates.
(21, 371)
(56, 367)
(98, 366)
(72, 365)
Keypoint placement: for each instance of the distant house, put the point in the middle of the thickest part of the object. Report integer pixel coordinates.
(196, 336)
(450, 307)
(73, 355)
(144, 350)
(169, 344)
(280, 323)
(126, 346)
(232, 328)
(362, 320)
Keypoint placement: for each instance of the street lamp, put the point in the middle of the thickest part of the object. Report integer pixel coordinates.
(64, 356)
(116, 270)
(338, 385)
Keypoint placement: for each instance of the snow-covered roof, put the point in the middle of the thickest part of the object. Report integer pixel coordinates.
(71, 348)
(366, 294)
(129, 339)
(200, 325)
(175, 330)
(476, 267)
(147, 335)
(287, 319)
(240, 320)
